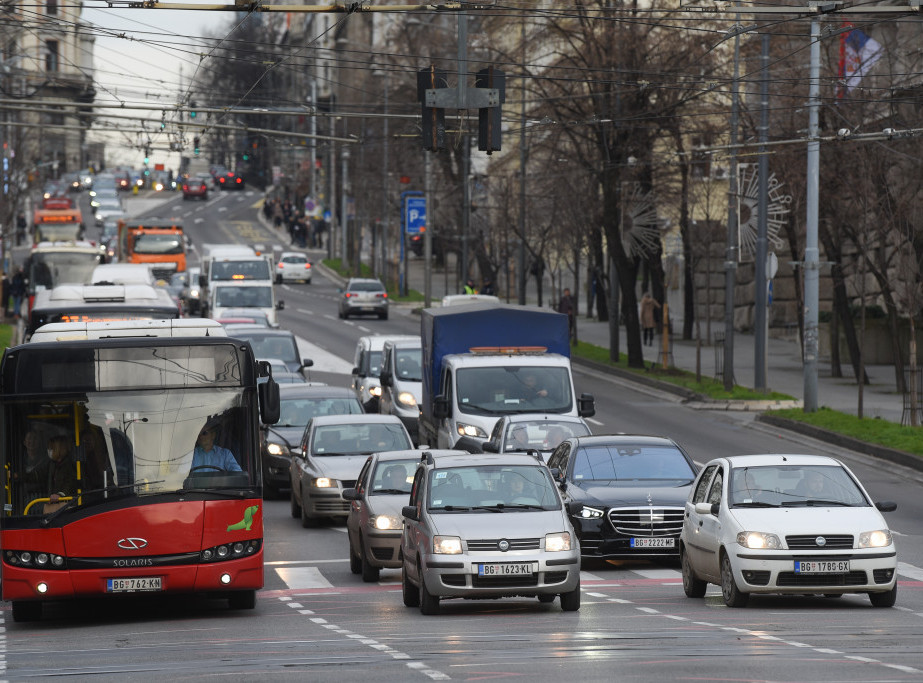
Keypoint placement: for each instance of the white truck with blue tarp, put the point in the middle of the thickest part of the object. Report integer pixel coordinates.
(484, 361)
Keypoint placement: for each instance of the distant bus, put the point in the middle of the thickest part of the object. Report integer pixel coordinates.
(54, 263)
(100, 303)
(57, 224)
(128, 512)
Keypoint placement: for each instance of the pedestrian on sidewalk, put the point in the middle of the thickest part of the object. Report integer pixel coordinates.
(648, 304)
(568, 307)
(469, 287)
(18, 290)
(488, 287)
(6, 295)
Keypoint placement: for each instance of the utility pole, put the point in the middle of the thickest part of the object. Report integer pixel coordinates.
(521, 269)
(344, 219)
(730, 258)
(428, 232)
(760, 289)
(811, 255)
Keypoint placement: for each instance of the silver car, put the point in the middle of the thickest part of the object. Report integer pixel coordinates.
(490, 526)
(332, 451)
(364, 295)
(374, 523)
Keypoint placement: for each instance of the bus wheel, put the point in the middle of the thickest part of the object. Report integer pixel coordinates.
(26, 610)
(242, 600)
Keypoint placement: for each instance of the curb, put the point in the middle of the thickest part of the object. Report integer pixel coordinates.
(667, 387)
(891, 455)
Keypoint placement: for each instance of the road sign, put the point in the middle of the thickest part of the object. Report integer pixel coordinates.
(415, 215)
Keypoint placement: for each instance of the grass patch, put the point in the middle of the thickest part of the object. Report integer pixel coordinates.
(6, 336)
(413, 296)
(708, 387)
(871, 430)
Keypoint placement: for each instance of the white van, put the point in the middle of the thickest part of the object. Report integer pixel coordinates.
(401, 379)
(367, 366)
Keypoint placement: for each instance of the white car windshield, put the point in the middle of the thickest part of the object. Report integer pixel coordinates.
(794, 486)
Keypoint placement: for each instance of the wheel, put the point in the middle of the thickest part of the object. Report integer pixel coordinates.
(546, 597)
(733, 596)
(355, 562)
(242, 600)
(570, 602)
(429, 603)
(307, 522)
(296, 508)
(26, 611)
(369, 573)
(878, 599)
(693, 586)
(185, 197)
(411, 594)
(383, 316)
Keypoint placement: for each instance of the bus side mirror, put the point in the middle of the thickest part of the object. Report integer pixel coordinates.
(586, 405)
(270, 405)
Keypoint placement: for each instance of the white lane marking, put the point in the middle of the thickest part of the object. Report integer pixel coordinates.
(324, 361)
(303, 577)
(199, 220)
(659, 573)
(222, 208)
(648, 610)
(910, 571)
(586, 576)
(286, 563)
(597, 595)
(901, 667)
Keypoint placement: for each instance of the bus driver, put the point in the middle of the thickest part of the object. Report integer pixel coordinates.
(208, 455)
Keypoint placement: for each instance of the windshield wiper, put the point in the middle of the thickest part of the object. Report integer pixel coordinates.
(489, 411)
(490, 508)
(449, 508)
(518, 506)
(755, 504)
(814, 502)
(92, 492)
(391, 492)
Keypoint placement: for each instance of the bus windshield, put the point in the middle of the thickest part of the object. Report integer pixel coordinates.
(48, 269)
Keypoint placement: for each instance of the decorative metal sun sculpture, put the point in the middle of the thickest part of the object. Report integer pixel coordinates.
(640, 225)
(747, 211)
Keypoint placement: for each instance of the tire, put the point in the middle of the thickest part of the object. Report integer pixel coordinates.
(26, 611)
(242, 600)
(692, 585)
(429, 603)
(733, 596)
(355, 562)
(185, 197)
(546, 597)
(306, 521)
(877, 599)
(370, 574)
(570, 602)
(296, 508)
(411, 593)
(383, 316)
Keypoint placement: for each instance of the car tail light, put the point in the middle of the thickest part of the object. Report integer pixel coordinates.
(238, 180)
(348, 294)
(382, 295)
(281, 265)
(185, 188)
(307, 266)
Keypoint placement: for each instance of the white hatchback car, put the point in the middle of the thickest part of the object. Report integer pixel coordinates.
(793, 524)
(293, 266)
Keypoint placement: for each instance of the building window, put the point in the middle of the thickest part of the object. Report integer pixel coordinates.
(51, 7)
(51, 55)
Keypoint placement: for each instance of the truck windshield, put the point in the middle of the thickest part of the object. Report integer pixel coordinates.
(499, 390)
(112, 444)
(256, 269)
(147, 243)
(244, 297)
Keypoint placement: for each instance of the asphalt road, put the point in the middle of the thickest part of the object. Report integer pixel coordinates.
(316, 621)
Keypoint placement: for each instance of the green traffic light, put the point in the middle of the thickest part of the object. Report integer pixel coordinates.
(147, 160)
(246, 157)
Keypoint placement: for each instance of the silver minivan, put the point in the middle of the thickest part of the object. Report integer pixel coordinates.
(401, 378)
(367, 366)
(487, 526)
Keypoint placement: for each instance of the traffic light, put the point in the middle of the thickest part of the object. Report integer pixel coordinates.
(195, 144)
(489, 124)
(192, 110)
(245, 157)
(433, 117)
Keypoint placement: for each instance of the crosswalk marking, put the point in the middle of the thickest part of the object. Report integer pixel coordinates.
(303, 577)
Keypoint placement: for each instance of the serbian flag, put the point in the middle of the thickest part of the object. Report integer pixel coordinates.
(858, 53)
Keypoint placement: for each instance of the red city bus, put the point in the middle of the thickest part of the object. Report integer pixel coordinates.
(131, 460)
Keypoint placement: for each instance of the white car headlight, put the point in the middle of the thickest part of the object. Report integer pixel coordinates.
(590, 513)
(447, 545)
(323, 483)
(405, 398)
(880, 538)
(386, 522)
(470, 430)
(555, 543)
(759, 540)
(275, 449)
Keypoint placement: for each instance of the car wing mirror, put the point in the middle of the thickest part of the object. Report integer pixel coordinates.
(707, 508)
(574, 507)
(886, 506)
(351, 494)
(410, 512)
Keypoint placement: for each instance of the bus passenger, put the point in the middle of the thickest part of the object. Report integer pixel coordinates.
(208, 455)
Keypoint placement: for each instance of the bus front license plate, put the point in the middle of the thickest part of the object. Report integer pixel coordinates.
(134, 584)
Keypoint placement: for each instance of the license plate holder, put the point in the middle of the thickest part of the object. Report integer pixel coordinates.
(135, 584)
(507, 569)
(639, 542)
(820, 567)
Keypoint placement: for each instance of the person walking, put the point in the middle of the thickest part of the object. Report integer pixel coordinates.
(568, 307)
(18, 291)
(648, 304)
(6, 295)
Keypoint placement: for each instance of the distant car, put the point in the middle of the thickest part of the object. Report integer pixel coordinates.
(72, 181)
(367, 367)
(122, 180)
(229, 181)
(632, 490)
(245, 316)
(527, 431)
(107, 209)
(271, 343)
(374, 524)
(487, 527)
(364, 295)
(196, 186)
(191, 293)
(299, 403)
(332, 451)
(100, 194)
(293, 266)
(791, 524)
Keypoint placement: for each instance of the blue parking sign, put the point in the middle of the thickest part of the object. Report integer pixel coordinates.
(415, 214)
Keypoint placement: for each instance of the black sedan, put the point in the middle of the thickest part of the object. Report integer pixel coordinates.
(299, 403)
(272, 343)
(229, 181)
(633, 490)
